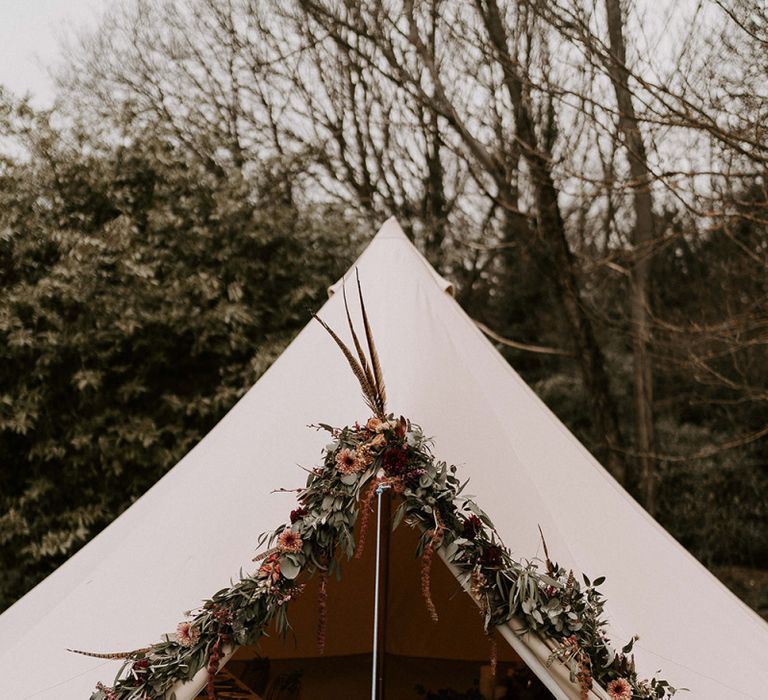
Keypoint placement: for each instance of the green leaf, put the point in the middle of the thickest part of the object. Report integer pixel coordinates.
(288, 568)
(399, 515)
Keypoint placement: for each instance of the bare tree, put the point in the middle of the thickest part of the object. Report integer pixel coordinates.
(695, 147)
(493, 130)
(394, 42)
(643, 241)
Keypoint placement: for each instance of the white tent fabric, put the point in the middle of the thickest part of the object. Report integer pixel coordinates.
(195, 529)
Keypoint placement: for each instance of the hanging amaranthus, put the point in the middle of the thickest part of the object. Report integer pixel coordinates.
(434, 538)
(322, 612)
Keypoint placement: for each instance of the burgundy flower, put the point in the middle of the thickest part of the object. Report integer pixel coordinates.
(411, 478)
(395, 461)
(223, 616)
(109, 693)
(297, 514)
(491, 556)
(472, 527)
(139, 670)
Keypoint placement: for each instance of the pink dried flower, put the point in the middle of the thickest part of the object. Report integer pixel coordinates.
(374, 424)
(347, 462)
(620, 689)
(289, 595)
(270, 569)
(290, 542)
(364, 457)
(109, 693)
(186, 634)
(377, 442)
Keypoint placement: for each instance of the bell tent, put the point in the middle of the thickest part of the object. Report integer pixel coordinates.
(194, 531)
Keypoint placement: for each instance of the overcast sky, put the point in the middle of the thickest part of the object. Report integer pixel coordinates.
(30, 33)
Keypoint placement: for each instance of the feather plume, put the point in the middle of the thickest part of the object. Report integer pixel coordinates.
(378, 376)
(264, 555)
(550, 565)
(358, 347)
(357, 370)
(368, 372)
(113, 655)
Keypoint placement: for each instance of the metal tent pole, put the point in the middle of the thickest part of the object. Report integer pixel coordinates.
(377, 666)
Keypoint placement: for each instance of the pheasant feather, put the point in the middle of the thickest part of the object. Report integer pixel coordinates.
(357, 370)
(356, 341)
(113, 655)
(378, 376)
(368, 372)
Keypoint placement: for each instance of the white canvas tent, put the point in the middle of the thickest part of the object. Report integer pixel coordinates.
(195, 529)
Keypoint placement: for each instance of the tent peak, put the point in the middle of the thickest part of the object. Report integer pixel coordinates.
(391, 233)
(391, 229)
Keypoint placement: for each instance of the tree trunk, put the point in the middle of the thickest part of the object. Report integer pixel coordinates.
(434, 212)
(642, 240)
(563, 275)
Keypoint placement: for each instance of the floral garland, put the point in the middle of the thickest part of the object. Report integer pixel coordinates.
(320, 534)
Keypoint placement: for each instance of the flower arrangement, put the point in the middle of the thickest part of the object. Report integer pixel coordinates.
(319, 535)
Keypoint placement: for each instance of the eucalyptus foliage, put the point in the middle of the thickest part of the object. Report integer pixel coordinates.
(391, 453)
